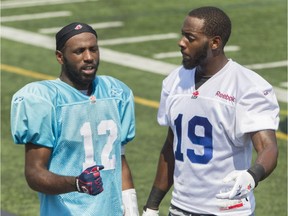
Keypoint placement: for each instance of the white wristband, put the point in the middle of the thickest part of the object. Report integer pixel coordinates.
(129, 200)
(150, 212)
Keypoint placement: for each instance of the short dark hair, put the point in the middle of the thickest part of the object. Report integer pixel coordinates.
(216, 22)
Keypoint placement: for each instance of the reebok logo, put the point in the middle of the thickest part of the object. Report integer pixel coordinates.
(225, 96)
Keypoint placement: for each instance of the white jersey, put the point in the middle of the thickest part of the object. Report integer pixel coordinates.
(210, 127)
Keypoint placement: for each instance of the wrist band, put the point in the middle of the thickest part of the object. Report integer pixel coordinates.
(257, 171)
(155, 198)
(77, 184)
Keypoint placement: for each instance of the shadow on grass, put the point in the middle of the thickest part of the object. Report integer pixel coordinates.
(283, 126)
(3, 213)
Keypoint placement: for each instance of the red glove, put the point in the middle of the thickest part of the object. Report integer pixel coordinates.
(90, 181)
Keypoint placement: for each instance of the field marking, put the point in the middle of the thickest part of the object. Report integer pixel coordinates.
(26, 17)
(268, 65)
(93, 25)
(138, 39)
(120, 58)
(36, 75)
(31, 3)
(284, 84)
(232, 48)
(107, 55)
(138, 100)
(282, 94)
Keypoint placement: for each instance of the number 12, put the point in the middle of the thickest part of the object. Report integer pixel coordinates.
(106, 127)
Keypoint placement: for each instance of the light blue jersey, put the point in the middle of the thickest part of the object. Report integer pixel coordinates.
(81, 131)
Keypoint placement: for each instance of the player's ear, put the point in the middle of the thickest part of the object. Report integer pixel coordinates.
(59, 56)
(216, 43)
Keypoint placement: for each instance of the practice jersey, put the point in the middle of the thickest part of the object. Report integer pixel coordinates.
(81, 131)
(210, 127)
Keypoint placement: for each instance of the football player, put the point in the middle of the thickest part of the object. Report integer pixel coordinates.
(216, 110)
(75, 129)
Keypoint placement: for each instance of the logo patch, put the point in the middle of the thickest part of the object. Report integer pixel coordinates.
(92, 99)
(195, 94)
(18, 99)
(116, 92)
(225, 96)
(78, 27)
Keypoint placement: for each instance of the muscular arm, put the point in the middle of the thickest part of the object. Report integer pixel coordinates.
(265, 144)
(39, 178)
(164, 176)
(127, 181)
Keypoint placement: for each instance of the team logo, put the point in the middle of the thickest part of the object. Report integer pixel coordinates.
(225, 96)
(249, 187)
(92, 99)
(18, 99)
(116, 92)
(78, 27)
(195, 94)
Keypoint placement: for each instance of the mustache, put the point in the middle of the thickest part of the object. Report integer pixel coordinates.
(90, 65)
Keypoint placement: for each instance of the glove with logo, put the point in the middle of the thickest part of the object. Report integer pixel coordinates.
(244, 184)
(90, 181)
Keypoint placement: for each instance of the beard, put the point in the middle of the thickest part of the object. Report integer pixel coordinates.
(199, 57)
(76, 76)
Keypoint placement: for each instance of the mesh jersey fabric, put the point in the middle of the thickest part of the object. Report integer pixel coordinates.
(81, 131)
(210, 127)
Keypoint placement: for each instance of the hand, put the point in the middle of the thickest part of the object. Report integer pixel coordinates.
(90, 181)
(244, 184)
(150, 212)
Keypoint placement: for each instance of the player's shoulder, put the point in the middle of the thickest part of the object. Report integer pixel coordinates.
(110, 81)
(38, 88)
(113, 85)
(248, 76)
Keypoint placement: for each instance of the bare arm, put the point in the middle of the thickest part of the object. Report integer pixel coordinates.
(265, 144)
(39, 178)
(127, 181)
(164, 176)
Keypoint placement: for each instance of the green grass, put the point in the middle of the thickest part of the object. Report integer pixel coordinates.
(259, 28)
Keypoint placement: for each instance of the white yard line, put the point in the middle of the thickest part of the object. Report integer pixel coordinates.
(231, 48)
(138, 39)
(31, 3)
(284, 84)
(124, 59)
(93, 25)
(268, 65)
(282, 94)
(26, 17)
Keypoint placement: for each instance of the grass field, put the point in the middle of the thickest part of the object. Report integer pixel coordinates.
(259, 31)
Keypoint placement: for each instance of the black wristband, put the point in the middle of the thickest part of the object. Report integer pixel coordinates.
(155, 198)
(257, 171)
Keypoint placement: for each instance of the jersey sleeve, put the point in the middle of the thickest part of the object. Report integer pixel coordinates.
(128, 119)
(167, 87)
(257, 110)
(32, 117)
(162, 112)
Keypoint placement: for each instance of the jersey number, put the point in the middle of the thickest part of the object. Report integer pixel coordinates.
(205, 140)
(107, 127)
